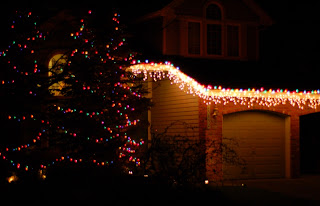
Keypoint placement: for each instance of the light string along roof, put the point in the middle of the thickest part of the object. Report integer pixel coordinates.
(218, 95)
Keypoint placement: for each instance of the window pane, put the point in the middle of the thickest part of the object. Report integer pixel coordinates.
(56, 65)
(194, 38)
(233, 40)
(213, 12)
(214, 39)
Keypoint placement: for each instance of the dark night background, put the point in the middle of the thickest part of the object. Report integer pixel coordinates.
(289, 49)
(289, 58)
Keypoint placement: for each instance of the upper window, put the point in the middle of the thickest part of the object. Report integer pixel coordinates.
(56, 66)
(233, 41)
(194, 37)
(214, 30)
(213, 12)
(214, 39)
(214, 36)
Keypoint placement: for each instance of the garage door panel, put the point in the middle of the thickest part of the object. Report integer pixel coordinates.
(267, 160)
(230, 169)
(271, 151)
(260, 139)
(271, 170)
(244, 151)
(264, 144)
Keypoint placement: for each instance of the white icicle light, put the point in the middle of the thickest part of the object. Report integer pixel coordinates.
(218, 95)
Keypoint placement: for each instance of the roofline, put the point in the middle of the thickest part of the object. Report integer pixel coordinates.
(161, 12)
(217, 94)
(265, 19)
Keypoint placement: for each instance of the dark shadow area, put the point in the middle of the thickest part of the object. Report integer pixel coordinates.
(89, 187)
(309, 144)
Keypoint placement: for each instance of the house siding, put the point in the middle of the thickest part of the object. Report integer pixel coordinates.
(173, 106)
(172, 41)
(252, 49)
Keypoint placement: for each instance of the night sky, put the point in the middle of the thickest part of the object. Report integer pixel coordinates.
(290, 45)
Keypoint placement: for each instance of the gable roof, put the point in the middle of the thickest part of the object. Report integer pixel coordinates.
(264, 18)
(55, 22)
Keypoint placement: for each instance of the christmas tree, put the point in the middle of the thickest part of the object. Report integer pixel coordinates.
(84, 108)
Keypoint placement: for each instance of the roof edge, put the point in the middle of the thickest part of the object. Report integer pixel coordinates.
(160, 12)
(265, 19)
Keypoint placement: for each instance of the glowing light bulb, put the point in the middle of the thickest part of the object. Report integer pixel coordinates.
(12, 178)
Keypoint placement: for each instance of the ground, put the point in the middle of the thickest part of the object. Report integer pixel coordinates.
(143, 191)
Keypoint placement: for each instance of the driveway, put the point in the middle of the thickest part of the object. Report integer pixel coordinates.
(301, 191)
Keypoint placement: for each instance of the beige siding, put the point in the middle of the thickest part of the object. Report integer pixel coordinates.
(172, 33)
(252, 50)
(173, 106)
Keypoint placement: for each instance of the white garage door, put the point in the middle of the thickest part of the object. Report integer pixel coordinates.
(260, 137)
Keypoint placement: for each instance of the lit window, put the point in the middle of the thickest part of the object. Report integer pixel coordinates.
(56, 66)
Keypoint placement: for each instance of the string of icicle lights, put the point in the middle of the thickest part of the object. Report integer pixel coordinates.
(218, 95)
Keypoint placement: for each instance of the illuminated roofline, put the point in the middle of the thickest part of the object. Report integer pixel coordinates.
(217, 94)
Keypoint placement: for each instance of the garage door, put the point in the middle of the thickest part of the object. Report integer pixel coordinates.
(260, 140)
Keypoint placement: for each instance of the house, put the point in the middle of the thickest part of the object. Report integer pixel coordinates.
(203, 38)
(265, 124)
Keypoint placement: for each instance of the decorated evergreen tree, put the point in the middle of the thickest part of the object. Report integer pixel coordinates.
(85, 108)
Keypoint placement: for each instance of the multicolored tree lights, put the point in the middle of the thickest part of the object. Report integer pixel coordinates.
(87, 107)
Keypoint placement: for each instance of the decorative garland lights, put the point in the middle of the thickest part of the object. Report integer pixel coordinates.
(119, 101)
(121, 105)
(218, 95)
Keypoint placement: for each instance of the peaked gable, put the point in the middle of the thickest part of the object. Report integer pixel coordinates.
(176, 6)
(60, 22)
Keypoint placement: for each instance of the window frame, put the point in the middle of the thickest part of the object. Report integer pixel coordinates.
(205, 43)
(239, 40)
(201, 37)
(55, 87)
(206, 11)
(215, 22)
(204, 22)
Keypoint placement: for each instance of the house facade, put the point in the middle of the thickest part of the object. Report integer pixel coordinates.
(263, 126)
(226, 29)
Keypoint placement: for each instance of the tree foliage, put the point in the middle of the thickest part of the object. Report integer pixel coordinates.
(86, 108)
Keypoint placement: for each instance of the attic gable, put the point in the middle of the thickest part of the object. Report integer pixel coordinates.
(248, 9)
(63, 21)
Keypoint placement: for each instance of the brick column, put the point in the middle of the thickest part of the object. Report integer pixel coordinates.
(213, 145)
(295, 146)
